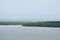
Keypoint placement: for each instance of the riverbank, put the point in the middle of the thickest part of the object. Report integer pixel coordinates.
(31, 23)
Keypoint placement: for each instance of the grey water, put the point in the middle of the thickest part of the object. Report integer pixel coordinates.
(18, 32)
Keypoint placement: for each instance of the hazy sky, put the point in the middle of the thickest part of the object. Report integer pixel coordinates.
(30, 9)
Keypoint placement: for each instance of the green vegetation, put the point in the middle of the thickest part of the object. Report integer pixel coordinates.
(31, 23)
(44, 24)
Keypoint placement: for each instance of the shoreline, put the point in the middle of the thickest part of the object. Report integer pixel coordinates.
(32, 23)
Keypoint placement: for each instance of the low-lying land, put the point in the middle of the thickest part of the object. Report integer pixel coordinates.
(31, 23)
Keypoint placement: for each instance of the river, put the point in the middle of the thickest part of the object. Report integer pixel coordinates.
(18, 32)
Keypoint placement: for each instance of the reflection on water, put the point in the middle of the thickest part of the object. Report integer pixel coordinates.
(18, 32)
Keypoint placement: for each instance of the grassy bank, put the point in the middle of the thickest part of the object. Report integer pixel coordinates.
(31, 23)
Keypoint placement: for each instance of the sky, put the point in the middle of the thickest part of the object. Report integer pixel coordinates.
(30, 9)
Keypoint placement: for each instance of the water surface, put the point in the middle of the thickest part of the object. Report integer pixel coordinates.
(18, 32)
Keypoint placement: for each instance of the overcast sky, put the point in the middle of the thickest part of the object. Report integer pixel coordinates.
(30, 9)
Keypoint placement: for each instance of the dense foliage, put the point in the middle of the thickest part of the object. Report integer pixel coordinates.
(31, 23)
(44, 24)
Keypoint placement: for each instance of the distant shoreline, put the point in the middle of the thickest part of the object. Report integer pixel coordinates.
(31, 23)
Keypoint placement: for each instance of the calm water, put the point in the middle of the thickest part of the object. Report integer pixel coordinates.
(18, 32)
